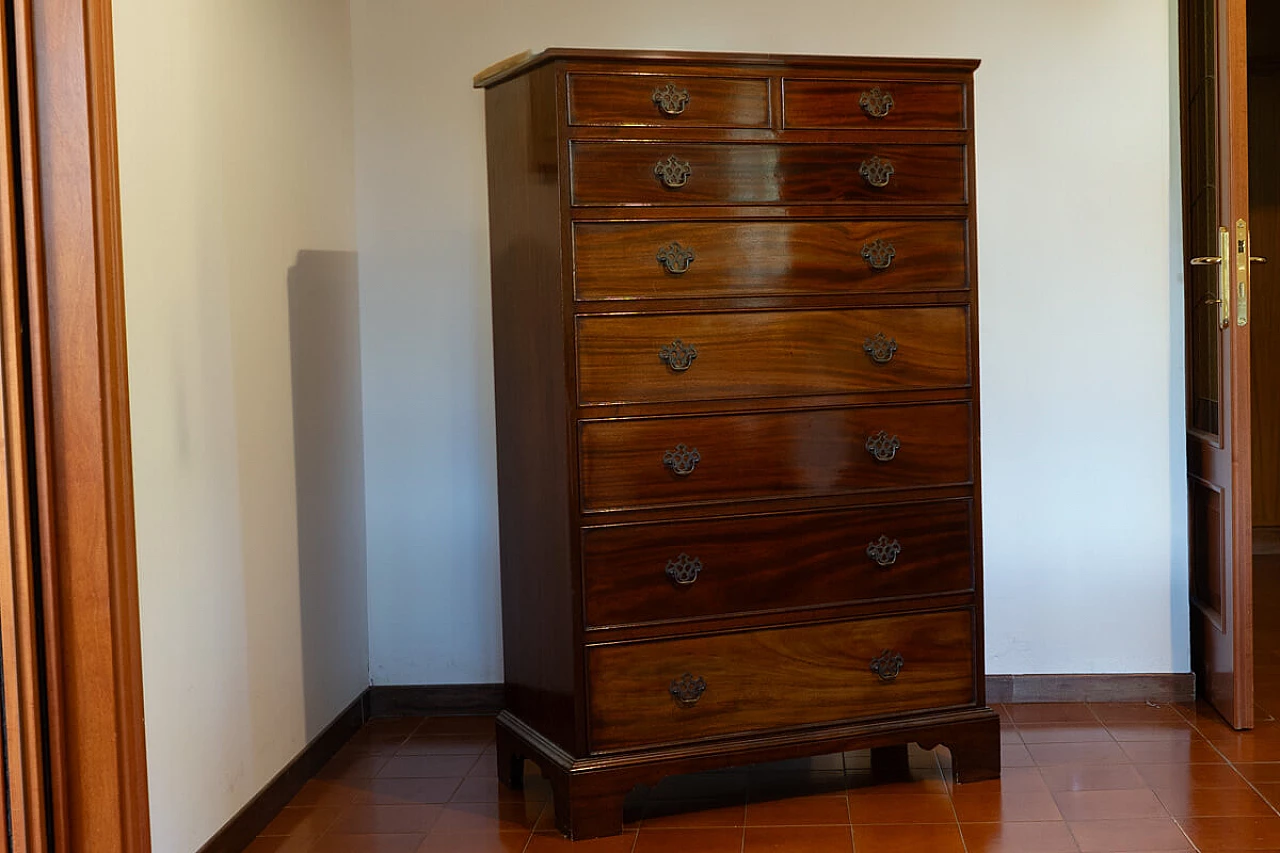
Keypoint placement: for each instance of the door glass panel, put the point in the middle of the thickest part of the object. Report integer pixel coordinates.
(1200, 237)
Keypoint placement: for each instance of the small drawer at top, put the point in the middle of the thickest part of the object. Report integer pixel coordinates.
(871, 105)
(619, 100)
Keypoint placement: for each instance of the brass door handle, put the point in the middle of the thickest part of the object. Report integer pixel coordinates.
(1224, 276)
(1205, 262)
(1254, 259)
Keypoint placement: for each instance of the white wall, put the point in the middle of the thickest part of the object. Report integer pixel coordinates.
(1082, 412)
(236, 155)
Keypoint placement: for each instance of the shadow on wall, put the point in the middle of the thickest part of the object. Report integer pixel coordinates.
(328, 429)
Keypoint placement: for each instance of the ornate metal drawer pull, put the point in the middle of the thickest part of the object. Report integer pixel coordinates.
(884, 551)
(678, 355)
(880, 348)
(675, 258)
(877, 172)
(674, 172)
(687, 690)
(684, 570)
(888, 665)
(672, 101)
(682, 460)
(878, 254)
(876, 103)
(883, 446)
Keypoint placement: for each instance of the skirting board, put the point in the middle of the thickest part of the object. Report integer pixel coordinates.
(1161, 688)
(239, 832)
(434, 699)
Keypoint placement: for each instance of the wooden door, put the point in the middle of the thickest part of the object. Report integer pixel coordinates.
(1215, 162)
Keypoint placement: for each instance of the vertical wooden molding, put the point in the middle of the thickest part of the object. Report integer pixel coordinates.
(84, 490)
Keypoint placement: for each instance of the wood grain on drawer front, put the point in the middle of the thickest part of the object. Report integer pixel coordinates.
(619, 100)
(787, 454)
(837, 104)
(638, 573)
(736, 355)
(779, 677)
(625, 260)
(622, 173)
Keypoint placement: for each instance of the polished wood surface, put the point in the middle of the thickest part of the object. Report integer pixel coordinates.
(816, 104)
(608, 173)
(1264, 312)
(772, 455)
(619, 260)
(763, 680)
(627, 100)
(751, 354)
(536, 547)
(769, 317)
(1213, 89)
(768, 564)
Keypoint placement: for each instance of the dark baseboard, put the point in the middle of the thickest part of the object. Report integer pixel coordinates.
(1162, 688)
(239, 832)
(434, 700)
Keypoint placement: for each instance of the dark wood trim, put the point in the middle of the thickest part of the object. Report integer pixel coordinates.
(434, 700)
(82, 468)
(237, 833)
(1162, 688)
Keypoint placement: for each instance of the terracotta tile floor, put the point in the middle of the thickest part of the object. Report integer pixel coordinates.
(1085, 778)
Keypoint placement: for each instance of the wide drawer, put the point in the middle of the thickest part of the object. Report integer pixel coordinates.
(659, 572)
(679, 690)
(672, 461)
(748, 354)
(665, 260)
(638, 173)
(626, 100)
(872, 105)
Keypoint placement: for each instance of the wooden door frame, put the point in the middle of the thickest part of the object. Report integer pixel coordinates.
(81, 574)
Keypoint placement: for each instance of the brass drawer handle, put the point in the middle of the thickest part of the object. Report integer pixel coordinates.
(675, 258)
(876, 103)
(884, 551)
(684, 570)
(883, 446)
(880, 348)
(674, 172)
(888, 665)
(878, 254)
(670, 100)
(876, 172)
(687, 690)
(682, 460)
(678, 355)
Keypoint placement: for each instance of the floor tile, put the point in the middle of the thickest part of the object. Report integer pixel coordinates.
(353, 765)
(488, 817)
(324, 792)
(934, 838)
(371, 818)
(1233, 833)
(1259, 772)
(1015, 755)
(1128, 836)
(305, 822)
(1046, 754)
(480, 789)
(673, 814)
(1109, 805)
(798, 839)
(1063, 732)
(1024, 780)
(1005, 806)
(1046, 837)
(868, 808)
(278, 844)
(1066, 712)
(1092, 777)
(1142, 732)
(368, 844)
(543, 842)
(799, 811)
(1134, 712)
(699, 840)
(1189, 776)
(407, 790)
(426, 766)
(443, 745)
(1215, 802)
(474, 842)
(1172, 752)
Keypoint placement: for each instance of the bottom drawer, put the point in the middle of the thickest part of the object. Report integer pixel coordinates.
(666, 691)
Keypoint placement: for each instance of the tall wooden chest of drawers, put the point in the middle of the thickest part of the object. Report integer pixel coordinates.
(735, 355)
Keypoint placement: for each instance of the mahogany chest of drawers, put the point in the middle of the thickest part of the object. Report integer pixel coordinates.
(735, 356)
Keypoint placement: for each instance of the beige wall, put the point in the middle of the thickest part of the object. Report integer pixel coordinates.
(237, 182)
(1083, 468)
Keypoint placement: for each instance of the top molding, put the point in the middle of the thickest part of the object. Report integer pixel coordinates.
(520, 63)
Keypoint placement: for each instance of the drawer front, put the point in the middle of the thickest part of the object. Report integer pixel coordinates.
(748, 354)
(618, 100)
(667, 260)
(872, 105)
(612, 173)
(674, 461)
(770, 679)
(643, 573)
